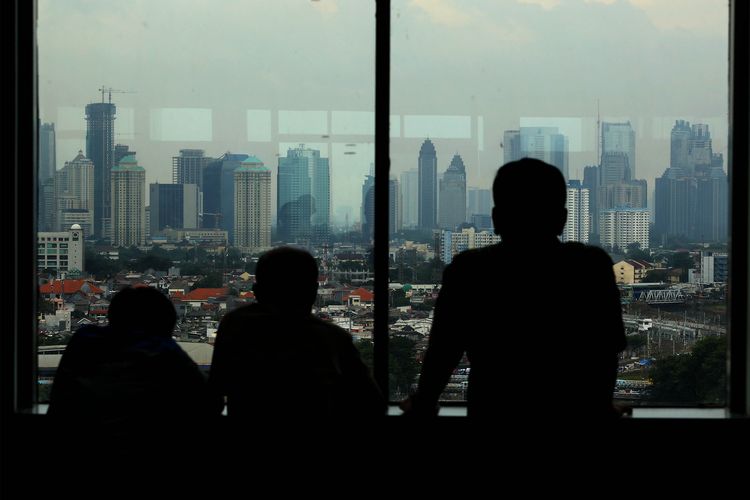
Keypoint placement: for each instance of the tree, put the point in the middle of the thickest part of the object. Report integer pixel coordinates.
(682, 261)
(656, 276)
(696, 377)
(211, 280)
(635, 252)
(402, 365)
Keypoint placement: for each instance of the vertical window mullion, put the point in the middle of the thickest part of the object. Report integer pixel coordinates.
(382, 168)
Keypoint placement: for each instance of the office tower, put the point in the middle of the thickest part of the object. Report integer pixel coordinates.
(410, 198)
(511, 146)
(577, 227)
(546, 144)
(623, 194)
(680, 145)
(712, 206)
(427, 167)
(121, 151)
(188, 167)
(74, 194)
(172, 205)
(619, 138)
(367, 213)
(714, 267)
(591, 182)
(615, 167)
(47, 157)
(128, 203)
(252, 205)
(45, 174)
(674, 203)
(691, 197)
(453, 195)
(100, 134)
(303, 196)
(394, 207)
(61, 250)
(479, 201)
(621, 227)
(218, 192)
(700, 152)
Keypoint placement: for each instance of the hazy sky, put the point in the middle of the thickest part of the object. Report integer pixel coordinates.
(259, 76)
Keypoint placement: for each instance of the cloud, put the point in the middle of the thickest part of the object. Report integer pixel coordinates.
(442, 12)
(325, 6)
(545, 4)
(701, 16)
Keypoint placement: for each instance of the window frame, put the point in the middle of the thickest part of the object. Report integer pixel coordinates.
(18, 367)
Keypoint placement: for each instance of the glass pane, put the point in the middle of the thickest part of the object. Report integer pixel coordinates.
(188, 139)
(629, 101)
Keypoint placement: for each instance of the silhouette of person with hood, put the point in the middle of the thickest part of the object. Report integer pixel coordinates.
(539, 320)
(274, 359)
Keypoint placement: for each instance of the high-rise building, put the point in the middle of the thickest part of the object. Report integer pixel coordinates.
(121, 151)
(621, 227)
(47, 156)
(452, 197)
(680, 145)
(577, 227)
(303, 196)
(691, 197)
(546, 144)
(218, 192)
(511, 146)
(619, 138)
(188, 167)
(172, 205)
(367, 214)
(410, 198)
(100, 135)
(615, 168)
(630, 194)
(74, 194)
(252, 205)
(453, 242)
(394, 207)
(428, 203)
(592, 183)
(479, 201)
(128, 203)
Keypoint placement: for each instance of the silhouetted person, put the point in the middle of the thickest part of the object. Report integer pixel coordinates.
(539, 320)
(275, 359)
(131, 371)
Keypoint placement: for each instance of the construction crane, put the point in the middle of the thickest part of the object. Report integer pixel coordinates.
(110, 91)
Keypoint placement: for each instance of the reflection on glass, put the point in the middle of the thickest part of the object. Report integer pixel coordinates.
(205, 152)
(628, 100)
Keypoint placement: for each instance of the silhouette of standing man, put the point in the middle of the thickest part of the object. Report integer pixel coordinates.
(274, 359)
(539, 320)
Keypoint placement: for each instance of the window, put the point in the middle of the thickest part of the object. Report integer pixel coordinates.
(181, 124)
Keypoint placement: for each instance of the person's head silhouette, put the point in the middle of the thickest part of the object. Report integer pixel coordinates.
(142, 309)
(286, 279)
(529, 200)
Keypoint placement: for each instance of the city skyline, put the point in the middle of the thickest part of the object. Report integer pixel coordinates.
(174, 104)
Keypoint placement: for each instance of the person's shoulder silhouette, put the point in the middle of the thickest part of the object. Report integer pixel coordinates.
(130, 371)
(527, 312)
(275, 359)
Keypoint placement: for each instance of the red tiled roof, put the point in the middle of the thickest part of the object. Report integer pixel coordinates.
(247, 295)
(205, 293)
(71, 286)
(364, 295)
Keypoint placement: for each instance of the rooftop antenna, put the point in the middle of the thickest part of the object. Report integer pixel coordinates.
(598, 134)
